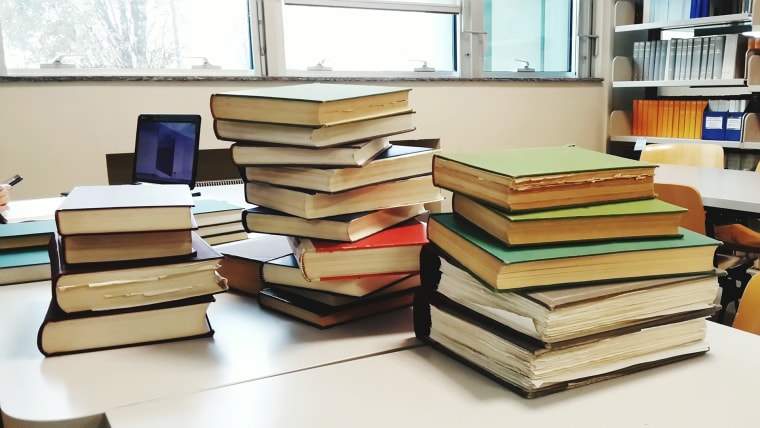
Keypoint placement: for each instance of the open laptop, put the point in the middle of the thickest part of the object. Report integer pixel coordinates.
(166, 149)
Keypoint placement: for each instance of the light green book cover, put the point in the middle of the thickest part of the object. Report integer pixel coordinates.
(316, 92)
(205, 206)
(615, 209)
(541, 161)
(513, 255)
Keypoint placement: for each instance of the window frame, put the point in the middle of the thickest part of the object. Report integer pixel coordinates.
(266, 31)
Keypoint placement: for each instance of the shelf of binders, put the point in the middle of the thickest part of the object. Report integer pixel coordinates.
(624, 18)
(736, 80)
(620, 130)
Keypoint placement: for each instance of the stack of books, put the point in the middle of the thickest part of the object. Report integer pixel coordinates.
(23, 251)
(218, 221)
(319, 165)
(127, 268)
(559, 267)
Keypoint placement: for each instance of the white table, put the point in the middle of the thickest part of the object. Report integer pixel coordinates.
(249, 344)
(423, 388)
(720, 188)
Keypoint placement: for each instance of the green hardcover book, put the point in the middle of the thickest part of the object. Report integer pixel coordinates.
(543, 177)
(616, 220)
(506, 268)
(26, 234)
(310, 103)
(24, 265)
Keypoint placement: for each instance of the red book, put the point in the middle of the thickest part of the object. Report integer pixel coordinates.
(393, 250)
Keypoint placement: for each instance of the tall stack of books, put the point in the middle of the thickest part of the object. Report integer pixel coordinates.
(127, 268)
(319, 165)
(559, 267)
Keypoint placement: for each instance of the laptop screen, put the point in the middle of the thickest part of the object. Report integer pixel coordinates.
(166, 149)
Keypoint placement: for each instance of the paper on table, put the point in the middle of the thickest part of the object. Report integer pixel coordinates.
(32, 209)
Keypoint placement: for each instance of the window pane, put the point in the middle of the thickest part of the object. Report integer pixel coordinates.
(535, 31)
(367, 40)
(126, 34)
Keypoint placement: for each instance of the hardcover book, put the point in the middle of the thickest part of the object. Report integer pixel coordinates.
(223, 238)
(544, 177)
(214, 211)
(243, 261)
(286, 271)
(530, 369)
(565, 316)
(347, 227)
(62, 333)
(329, 134)
(349, 155)
(312, 104)
(26, 234)
(106, 286)
(394, 250)
(114, 247)
(125, 208)
(397, 162)
(310, 204)
(24, 265)
(322, 315)
(507, 268)
(617, 220)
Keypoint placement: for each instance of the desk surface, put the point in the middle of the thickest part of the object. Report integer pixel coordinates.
(421, 387)
(720, 188)
(249, 343)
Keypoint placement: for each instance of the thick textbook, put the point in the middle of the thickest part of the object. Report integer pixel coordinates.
(108, 286)
(391, 251)
(26, 234)
(616, 220)
(125, 208)
(312, 204)
(329, 134)
(115, 247)
(61, 333)
(312, 104)
(347, 227)
(215, 211)
(397, 162)
(286, 271)
(530, 369)
(543, 177)
(348, 155)
(565, 316)
(24, 265)
(242, 261)
(322, 315)
(507, 268)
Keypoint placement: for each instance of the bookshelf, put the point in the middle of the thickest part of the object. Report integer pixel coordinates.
(632, 28)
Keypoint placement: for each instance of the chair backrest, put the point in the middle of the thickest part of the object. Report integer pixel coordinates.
(692, 154)
(748, 314)
(687, 197)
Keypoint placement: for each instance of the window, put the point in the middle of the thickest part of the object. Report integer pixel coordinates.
(468, 38)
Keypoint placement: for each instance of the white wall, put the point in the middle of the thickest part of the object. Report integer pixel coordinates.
(56, 134)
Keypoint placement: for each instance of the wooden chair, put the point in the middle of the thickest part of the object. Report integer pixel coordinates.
(748, 312)
(692, 154)
(736, 278)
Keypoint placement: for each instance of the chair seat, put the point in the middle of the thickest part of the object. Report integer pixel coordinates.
(738, 234)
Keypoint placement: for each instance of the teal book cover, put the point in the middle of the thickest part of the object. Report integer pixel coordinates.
(24, 257)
